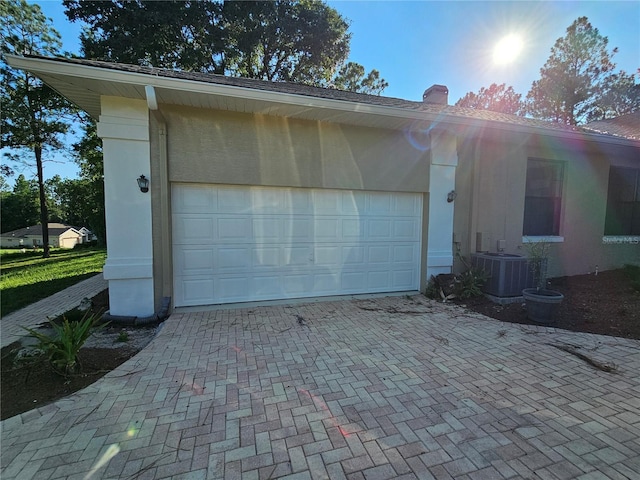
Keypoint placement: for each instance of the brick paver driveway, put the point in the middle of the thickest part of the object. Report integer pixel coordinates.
(381, 388)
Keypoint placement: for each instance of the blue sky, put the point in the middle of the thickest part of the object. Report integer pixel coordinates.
(415, 44)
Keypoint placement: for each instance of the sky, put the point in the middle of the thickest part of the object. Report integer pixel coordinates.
(416, 44)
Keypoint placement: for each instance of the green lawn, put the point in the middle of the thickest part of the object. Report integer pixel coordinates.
(26, 277)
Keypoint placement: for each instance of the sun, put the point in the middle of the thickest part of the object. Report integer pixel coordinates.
(507, 49)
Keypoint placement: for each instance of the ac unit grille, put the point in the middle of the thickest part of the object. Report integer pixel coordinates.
(508, 274)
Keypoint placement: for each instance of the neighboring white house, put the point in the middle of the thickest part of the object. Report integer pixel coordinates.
(60, 235)
(87, 235)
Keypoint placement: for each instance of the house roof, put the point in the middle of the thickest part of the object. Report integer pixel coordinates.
(55, 229)
(84, 81)
(625, 126)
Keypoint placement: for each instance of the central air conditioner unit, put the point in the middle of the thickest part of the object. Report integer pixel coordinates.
(508, 274)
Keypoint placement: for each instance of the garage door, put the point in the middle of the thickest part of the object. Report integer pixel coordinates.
(237, 243)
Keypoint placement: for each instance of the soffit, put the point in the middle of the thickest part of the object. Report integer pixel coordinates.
(86, 92)
(83, 82)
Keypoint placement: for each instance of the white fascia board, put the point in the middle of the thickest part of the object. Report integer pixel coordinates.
(193, 86)
(38, 65)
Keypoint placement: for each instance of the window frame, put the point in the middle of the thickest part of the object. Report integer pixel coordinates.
(614, 226)
(555, 202)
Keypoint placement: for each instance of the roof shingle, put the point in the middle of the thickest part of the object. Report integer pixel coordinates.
(454, 112)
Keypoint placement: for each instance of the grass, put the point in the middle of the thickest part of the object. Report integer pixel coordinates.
(26, 277)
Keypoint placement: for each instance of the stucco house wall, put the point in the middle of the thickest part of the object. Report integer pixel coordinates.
(490, 207)
(209, 146)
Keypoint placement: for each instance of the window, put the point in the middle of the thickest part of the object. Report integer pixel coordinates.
(543, 198)
(623, 202)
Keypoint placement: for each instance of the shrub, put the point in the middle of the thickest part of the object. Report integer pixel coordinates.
(470, 282)
(123, 336)
(62, 348)
(433, 290)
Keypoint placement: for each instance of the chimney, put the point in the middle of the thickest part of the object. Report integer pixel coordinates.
(438, 94)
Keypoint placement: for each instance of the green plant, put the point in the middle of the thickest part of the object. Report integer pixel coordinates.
(469, 283)
(432, 291)
(123, 337)
(62, 348)
(538, 260)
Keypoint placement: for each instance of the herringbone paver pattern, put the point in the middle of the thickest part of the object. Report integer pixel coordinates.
(50, 307)
(361, 389)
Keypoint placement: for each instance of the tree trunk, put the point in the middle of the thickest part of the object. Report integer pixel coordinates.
(44, 212)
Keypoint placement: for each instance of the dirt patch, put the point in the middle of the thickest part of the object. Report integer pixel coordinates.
(605, 304)
(27, 381)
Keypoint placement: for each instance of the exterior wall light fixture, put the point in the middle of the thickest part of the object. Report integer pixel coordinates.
(451, 196)
(143, 183)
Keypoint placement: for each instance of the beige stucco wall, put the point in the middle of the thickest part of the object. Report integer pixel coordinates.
(491, 185)
(208, 146)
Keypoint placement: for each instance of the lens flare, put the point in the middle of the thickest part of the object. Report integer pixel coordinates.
(111, 452)
(507, 49)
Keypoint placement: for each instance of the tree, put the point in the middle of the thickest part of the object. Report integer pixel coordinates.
(84, 198)
(20, 206)
(620, 96)
(577, 73)
(285, 40)
(32, 119)
(180, 35)
(302, 41)
(351, 78)
(497, 98)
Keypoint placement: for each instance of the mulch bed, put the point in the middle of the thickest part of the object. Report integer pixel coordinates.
(35, 384)
(605, 304)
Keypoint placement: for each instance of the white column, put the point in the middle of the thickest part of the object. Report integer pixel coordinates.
(124, 129)
(442, 180)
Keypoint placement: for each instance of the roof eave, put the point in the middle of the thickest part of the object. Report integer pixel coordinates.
(53, 67)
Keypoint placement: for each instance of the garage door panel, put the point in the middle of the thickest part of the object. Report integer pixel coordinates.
(327, 229)
(238, 243)
(405, 229)
(407, 205)
(404, 253)
(353, 255)
(194, 291)
(378, 281)
(194, 200)
(328, 256)
(353, 203)
(297, 256)
(380, 204)
(233, 200)
(196, 261)
(380, 229)
(233, 229)
(325, 283)
(265, 257)
(267, 229)
(191, 229)
(265, 287)
(326, 202)
(352, 229)
(353, 281)
(379, 254)
(403, 279)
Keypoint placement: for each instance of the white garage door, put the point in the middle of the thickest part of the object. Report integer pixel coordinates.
(237, 243)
